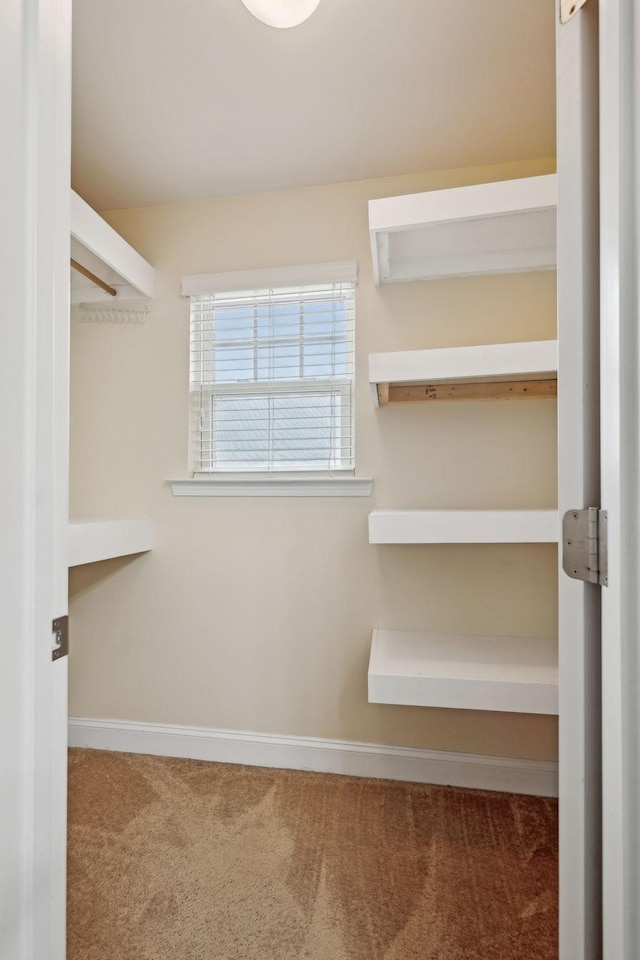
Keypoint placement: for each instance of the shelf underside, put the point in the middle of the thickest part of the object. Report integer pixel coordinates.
(512, 674)
(502, 227)
(94, 540)
(99, 251)
(85, 290)
(507, 244)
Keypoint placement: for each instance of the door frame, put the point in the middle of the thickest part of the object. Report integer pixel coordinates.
(578, 481)
(35, 97)
(620, 417)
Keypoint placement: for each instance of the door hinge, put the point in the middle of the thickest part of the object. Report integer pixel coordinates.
(60, 628)
(569, 8)
(584, 545)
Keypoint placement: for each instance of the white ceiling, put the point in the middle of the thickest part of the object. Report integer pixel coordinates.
(185, 99)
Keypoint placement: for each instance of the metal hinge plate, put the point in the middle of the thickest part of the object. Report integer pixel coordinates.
(569, 8)
(60, 627)
(584, 545)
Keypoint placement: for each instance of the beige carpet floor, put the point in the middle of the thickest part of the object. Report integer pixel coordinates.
(181, 860)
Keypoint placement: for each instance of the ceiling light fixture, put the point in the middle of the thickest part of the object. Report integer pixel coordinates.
(281, 13)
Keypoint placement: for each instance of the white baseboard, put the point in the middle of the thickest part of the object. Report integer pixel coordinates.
(535, 777)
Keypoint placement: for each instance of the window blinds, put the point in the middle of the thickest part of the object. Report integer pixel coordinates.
(272, 378)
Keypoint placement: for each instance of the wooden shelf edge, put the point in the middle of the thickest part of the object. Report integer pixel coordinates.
(389, 393)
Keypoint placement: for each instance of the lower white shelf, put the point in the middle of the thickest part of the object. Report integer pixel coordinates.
(93, 540)
(450, 373)
(463, 526)
(511, 674)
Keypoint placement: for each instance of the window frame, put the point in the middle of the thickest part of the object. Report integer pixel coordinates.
(315, 481)
(279, 389)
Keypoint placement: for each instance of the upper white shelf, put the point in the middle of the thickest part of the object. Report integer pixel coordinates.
(463, 526)
(504, 227)
(97, 247)
(515, 674)
(507, 363)
(90, 541)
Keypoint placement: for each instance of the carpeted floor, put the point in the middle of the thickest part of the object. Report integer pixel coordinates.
(181, 860)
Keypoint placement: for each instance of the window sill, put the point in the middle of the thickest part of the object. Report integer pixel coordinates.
(220, 486)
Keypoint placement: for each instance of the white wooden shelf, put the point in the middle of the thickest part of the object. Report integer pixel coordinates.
(93, 540)
(98, 248)
(463, 526)
(503, 227)
(440, 374)
(513, 674)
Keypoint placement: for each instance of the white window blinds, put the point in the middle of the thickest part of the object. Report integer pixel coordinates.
(272, 378)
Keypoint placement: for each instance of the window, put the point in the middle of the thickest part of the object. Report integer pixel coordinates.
(272, 377)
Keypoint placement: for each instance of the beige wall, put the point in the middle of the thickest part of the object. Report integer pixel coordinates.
(256, 614)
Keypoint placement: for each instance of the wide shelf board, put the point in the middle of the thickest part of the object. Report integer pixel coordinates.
(513, 674)
(503, 227)
(97, 247)
(93, 540)
(463, 526)
(488, 371)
